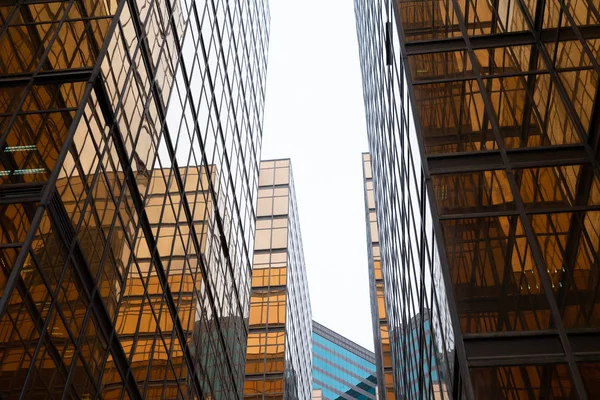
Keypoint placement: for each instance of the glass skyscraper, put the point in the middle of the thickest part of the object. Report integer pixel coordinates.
(278, 361)
(381, 335)
(130, 133)
(422, 372)
(341, 368)
(483, 122)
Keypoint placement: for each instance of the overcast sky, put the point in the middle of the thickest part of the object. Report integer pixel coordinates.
(314, 114)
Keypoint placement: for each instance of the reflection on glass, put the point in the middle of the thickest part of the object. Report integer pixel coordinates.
(126, 233)
(278, 362)
(484, 167)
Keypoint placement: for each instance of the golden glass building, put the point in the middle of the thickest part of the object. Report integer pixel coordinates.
(484, 130)
(279, 355)
(129, 141)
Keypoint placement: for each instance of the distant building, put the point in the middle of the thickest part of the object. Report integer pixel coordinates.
(278, 360)
(341, 368)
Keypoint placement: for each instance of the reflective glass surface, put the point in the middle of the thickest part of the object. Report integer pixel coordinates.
(484, 138)
(383, 355)
(341, 368)
(278, 360)
(130, 133)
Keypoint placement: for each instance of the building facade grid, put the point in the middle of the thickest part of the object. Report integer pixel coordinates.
(383, 356)
(129, 141)
(483, 131)
(341, 368)
(278, 364)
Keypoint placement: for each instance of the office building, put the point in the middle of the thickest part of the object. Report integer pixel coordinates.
(130, 133)
(381, 336)
(278, 359)
(341, 368)
(422, 359)
(482, 120)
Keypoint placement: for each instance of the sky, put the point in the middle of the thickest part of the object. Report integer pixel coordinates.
(314, 114)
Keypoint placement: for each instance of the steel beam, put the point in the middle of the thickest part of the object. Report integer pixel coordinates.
(47, 77)
(529, 157)
(527, 348)
(499, 40)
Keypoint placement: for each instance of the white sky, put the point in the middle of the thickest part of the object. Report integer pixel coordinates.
(314, 114)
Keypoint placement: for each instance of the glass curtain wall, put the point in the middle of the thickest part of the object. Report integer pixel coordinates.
(341, 368)
(381, 337)
(483, 128)
(278, 360)
(129, 138)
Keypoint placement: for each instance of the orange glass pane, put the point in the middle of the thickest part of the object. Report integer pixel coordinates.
(428, 20)
(494, 277)
(523, 382)
(452, 117)
(436, 66)
(570, 244)
(484, 18)
(484, 191)
(503, 60)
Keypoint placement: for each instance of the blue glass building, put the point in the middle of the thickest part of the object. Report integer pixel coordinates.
(341, 368)
(423, 371)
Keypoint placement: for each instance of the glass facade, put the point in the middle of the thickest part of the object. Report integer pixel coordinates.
(416, 337)
(341, 368)
(381, 337)
(130, 133)
(278, 360)
(484, 132)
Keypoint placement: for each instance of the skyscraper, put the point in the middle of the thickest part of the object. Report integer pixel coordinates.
(482, 125)
(381, 335)
(278, 360)
(130, 133)
(341, 368)
(423, 370)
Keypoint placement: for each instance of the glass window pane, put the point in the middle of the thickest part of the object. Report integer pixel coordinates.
(485, 191)
(495, 281)
(552, 381)
(453, 118)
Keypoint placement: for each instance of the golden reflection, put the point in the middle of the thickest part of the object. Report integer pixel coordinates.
(494, 277)
(265, 362)
(452, 117)
(34, 39)
(581, 90)
(379, 311)
(437, 66)
(503, 60)
(473, 192)
(267, 307)
(523, 382)
(38, 132)
(574, 274)
(485, 18)
(55, 39)
(428, 20)
(143, 313)
(29, 306)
